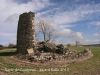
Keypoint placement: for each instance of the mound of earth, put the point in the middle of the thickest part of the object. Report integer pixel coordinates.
(53, 59)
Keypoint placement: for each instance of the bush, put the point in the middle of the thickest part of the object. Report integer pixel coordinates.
(68, 44)
(1, 47)
(11, 45)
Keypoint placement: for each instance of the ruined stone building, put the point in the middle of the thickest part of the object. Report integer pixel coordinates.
(26, 33)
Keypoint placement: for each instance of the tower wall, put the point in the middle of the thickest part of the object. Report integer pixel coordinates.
(25, 33)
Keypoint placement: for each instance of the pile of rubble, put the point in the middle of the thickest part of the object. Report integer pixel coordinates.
(46, 52)
(50, 47)
(50, 52)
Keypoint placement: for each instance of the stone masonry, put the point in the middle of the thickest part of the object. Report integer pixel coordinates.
(26, 33)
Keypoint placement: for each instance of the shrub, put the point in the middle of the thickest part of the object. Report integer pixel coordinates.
(11, 45)
(1, 47)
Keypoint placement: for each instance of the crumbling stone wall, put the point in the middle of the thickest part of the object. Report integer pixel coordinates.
(25, 33)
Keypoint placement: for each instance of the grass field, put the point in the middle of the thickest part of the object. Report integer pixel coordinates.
(10, 66)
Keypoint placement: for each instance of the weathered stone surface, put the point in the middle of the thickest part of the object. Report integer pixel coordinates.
(61, 49)
(25, 33)
(86, 52)
(30, 51)
(49, 47)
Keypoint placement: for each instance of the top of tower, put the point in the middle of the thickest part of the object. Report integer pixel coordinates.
(30, 13)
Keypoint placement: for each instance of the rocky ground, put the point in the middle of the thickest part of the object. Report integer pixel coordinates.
(54, 59)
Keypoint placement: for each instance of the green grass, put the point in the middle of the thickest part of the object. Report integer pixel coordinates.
(88, 67)
(8, 50)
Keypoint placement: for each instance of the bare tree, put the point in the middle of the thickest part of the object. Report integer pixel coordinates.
(46, 29)
(50, 32)
(77, 43)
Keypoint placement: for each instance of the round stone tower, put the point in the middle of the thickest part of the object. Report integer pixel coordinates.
(26, 33)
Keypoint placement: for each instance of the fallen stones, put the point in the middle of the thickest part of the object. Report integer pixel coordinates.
(49, 47)
(61, 49)
(46, 52)
(71, 54)
(86, 52)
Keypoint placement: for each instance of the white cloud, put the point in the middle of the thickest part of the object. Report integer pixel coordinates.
(97, 34)
(68, 36)
(6, 38)
(10, 8)
(97, 24)
(64, 32)
(81, 12)
(68, 33)
(89, 42)
(9, 16)
(59, 19)
(78, 36)
(73, 42)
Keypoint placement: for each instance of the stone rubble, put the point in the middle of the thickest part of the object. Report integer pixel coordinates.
(59, 52)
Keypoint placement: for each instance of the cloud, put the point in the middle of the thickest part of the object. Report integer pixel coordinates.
(80, 13)
(96, 23)
(68, 36)
(73, 42)
(91, 42)
(64, 32)
(60, 18)
(97, 34)
(10, 11)
(6, 38)
(68, 33)
(10, 8)
(74, 14)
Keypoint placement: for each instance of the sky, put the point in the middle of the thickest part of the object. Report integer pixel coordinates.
(73, 20)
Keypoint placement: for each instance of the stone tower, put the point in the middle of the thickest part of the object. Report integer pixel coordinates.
(25, 33)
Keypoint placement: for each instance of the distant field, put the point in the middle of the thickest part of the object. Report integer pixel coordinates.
(88, 67)
(8, 50)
